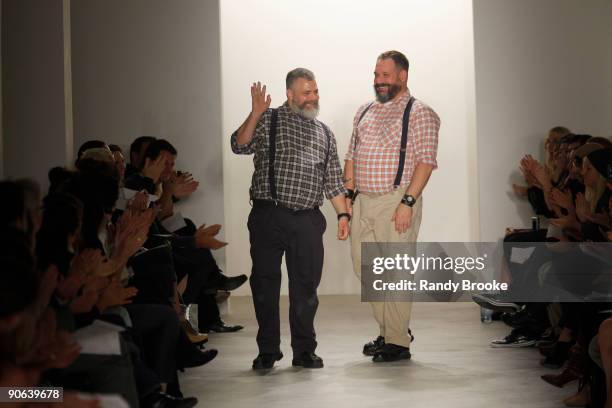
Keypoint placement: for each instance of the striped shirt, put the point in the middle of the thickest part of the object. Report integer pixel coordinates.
(375, 143)
(301, 149)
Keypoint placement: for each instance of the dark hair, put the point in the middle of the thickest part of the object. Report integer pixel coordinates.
(19, 277)
(604, 141)
(298, 73)
(115, 148)
(156, 147)
(62, 216)
(90, 144)
(97, 186)
(12, 204)
(572, 138)
(138, 142)
(398, 58)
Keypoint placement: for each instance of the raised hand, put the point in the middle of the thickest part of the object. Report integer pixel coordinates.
(562, 199)
(583, 210)
(154, 168)
(185, 185)
(260, 102)
(116, 295)
(139, 202)
(520, 191)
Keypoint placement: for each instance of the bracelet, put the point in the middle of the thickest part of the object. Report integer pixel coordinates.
(350, 193)
(347, 215)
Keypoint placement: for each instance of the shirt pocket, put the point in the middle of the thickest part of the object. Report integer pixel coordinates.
(390, 133)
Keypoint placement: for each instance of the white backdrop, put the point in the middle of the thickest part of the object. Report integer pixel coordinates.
(340, 41)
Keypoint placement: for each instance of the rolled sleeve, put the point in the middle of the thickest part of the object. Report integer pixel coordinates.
(427, 126)
(334, 184)
(350, 154)
(250, 147)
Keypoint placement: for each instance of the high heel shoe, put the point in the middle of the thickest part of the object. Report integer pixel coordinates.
(194, 336)
(574, 369)
(581, 399)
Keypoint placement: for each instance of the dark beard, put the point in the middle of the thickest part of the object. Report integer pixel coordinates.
(393, 91)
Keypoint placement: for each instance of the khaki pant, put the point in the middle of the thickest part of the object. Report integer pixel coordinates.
(372, 223)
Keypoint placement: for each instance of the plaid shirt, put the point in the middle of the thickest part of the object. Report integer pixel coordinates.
(301, 148)
(377, 139)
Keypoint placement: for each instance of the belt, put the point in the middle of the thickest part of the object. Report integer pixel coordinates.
(257, 203)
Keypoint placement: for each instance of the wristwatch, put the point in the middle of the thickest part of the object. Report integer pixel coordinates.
(408, 200)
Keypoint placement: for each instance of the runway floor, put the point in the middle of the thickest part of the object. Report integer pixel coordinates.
(452, 364)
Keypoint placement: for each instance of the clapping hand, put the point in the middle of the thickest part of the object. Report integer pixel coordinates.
(116, 295)
(185, 185)
(562, 199)
(583, 210)
(154, 168)
(205, 237)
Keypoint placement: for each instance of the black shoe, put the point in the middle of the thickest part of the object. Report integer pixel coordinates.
(391, 352)
(516, 339)
(266, 361)
(496, 302)
(369, 349)
(161, 400)
(307, 359)
(200, 358)
(221, 327)
(229, 284)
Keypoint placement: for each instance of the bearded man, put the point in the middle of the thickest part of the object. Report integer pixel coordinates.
(296, 164)
(390, 158)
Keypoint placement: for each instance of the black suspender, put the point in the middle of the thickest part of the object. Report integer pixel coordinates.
(404, 140)
(328, 137)
(272, 153)
(361, 117)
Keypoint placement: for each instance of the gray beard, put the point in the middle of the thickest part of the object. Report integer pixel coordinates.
(305, 113)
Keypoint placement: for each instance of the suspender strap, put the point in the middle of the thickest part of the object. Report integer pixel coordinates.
(404, 143)
(272, 154)
(328, 137)
(361, 117)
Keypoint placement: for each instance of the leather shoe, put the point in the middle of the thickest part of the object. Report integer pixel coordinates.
(201, 358)
(266, 361)
(221, 327)
(307, 359)
(161, 400)
(369, 349)
(391, 352)
(229, 284)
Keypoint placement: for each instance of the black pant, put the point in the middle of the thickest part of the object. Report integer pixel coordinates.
(275, 231)
(158, 329)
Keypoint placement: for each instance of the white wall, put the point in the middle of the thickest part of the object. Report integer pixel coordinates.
(340, 41)
(538, 64)
(151, 67)
(34, 116)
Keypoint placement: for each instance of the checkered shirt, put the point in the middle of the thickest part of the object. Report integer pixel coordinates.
(375, 143)
(301, 147)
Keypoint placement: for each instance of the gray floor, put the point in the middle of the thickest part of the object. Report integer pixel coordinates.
(452, 365)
